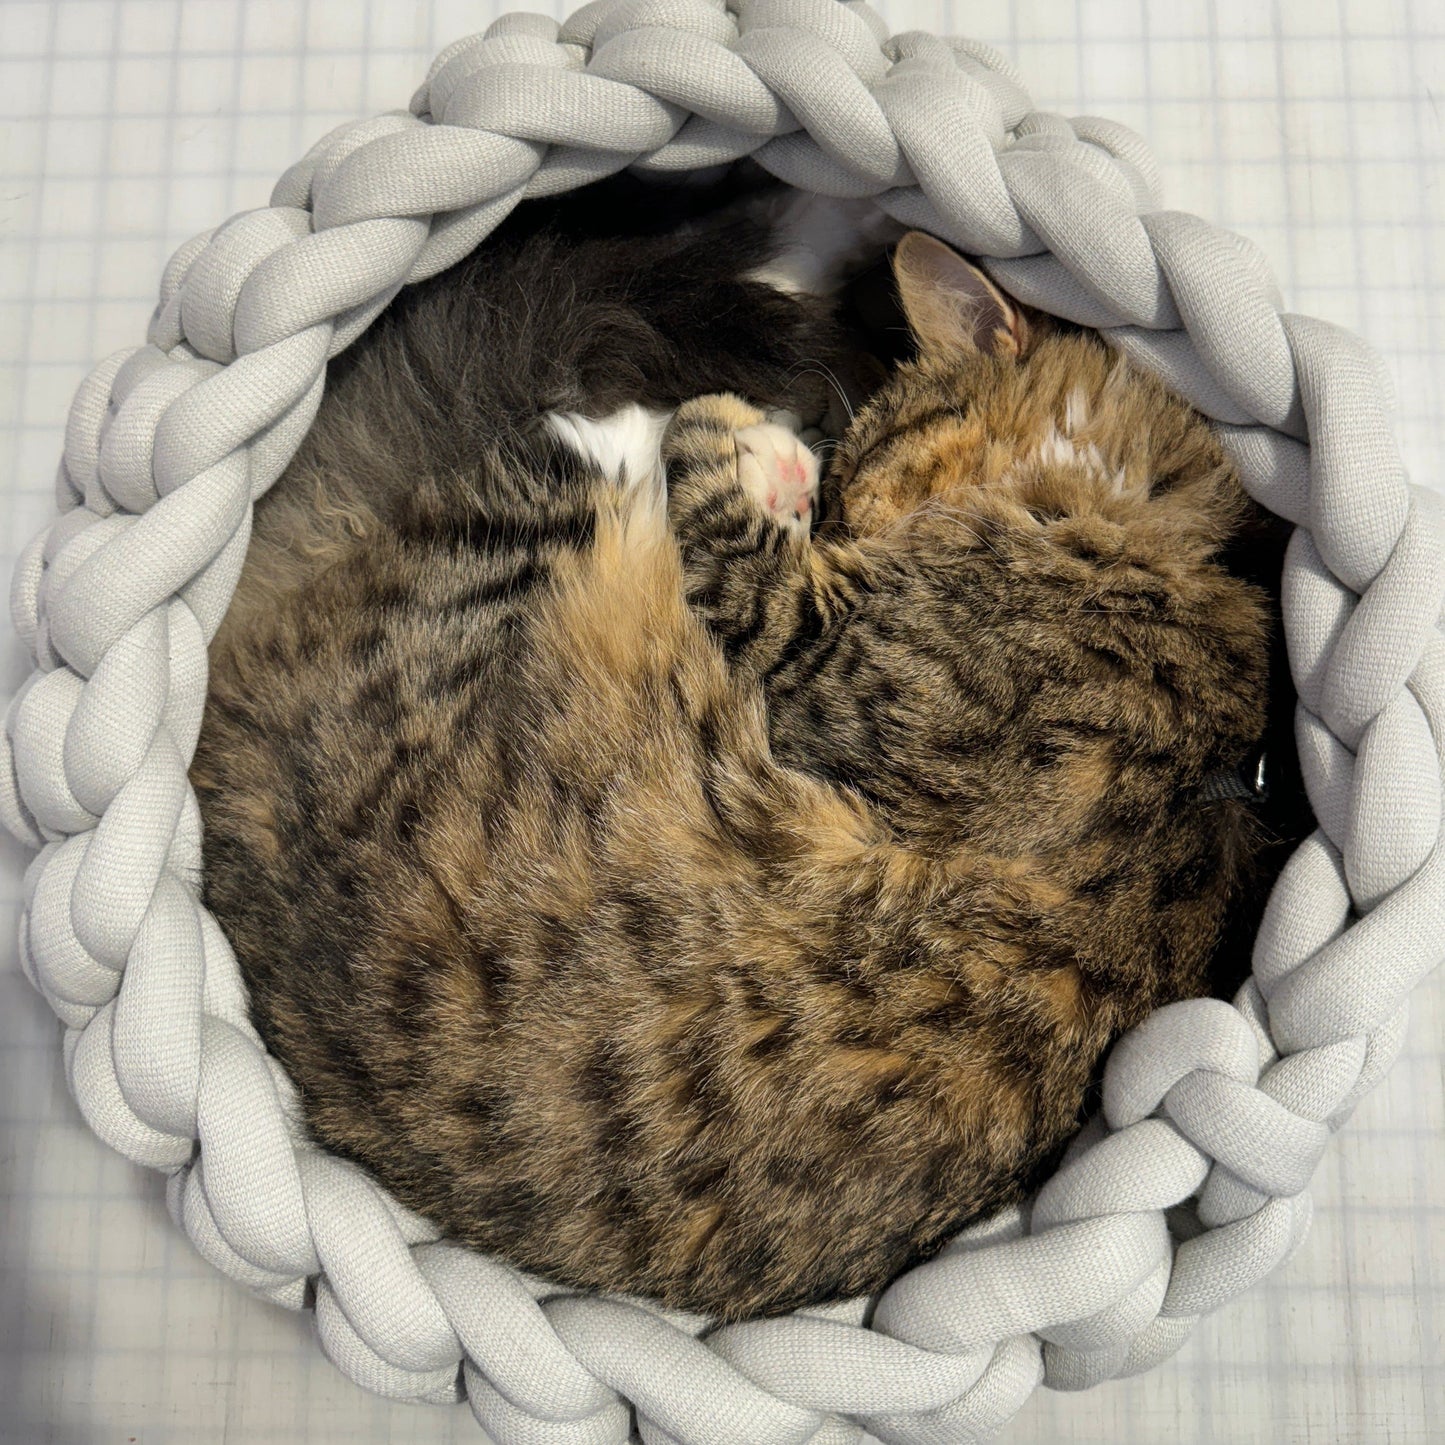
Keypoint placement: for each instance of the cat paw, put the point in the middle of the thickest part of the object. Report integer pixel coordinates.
(701, 429)
(720, 440)
(779, 473)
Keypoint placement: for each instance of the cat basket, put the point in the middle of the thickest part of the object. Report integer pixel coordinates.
(1194, 1183)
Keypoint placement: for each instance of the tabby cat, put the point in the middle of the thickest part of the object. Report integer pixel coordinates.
(672, 897)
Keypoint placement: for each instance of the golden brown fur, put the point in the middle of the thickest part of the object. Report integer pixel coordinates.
(670, 905)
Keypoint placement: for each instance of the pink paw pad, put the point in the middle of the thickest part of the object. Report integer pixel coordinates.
(779, 473)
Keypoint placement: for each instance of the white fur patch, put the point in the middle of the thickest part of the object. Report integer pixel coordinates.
(821, 240)
(1060, 447)
(1076, 411)
(625, 447)
(1062, 450)
(794, 273)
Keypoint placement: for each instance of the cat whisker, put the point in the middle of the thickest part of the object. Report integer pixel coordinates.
(974, 522)
(813, 367)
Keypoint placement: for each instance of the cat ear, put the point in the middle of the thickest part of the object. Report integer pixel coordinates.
(951, 306)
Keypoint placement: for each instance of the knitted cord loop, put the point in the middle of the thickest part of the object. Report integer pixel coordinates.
(168, 446)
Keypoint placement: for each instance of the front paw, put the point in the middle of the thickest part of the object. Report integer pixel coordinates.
(701, 429)
(779, 473)
(720, 442)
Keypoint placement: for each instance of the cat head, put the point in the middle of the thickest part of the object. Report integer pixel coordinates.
(1033, 483)
(1008, 400)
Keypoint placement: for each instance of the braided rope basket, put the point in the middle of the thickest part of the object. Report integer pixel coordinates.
(167, 447)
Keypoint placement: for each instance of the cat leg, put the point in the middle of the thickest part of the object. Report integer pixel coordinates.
(741, 496)
(733, 474)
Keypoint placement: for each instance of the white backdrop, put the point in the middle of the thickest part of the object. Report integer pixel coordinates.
(1316, 127)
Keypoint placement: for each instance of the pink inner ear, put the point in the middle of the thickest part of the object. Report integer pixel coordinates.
(951, 304)
(992, 324)
(998, 328)
(991, 331)
(1011, 336)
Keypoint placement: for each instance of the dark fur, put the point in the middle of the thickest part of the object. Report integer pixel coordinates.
(735, 953)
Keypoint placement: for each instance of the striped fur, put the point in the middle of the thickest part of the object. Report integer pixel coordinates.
(680, 904)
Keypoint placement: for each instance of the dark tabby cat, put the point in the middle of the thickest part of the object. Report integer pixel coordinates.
(666, 900)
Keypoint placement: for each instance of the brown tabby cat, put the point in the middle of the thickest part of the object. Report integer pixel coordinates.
(668, 901)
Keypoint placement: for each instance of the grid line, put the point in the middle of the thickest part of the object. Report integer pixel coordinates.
(128, 125)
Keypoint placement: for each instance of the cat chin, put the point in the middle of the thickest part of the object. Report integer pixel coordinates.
(626, 446)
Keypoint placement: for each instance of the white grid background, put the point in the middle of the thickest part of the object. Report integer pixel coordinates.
(127, 125)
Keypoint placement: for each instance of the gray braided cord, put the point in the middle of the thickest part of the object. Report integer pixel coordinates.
(168, 446)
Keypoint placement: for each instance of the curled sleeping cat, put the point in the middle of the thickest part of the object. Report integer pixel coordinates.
(667, 899)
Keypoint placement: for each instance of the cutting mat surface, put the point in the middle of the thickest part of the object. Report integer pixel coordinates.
(1314, 126)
